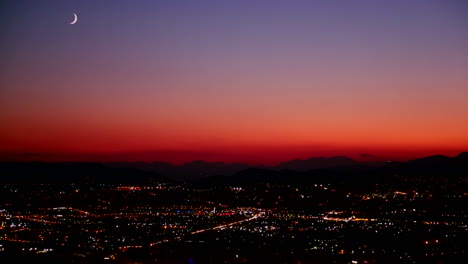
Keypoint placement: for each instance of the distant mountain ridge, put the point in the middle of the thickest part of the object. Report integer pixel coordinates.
(200, 169)
(196, 170)
(324, 168)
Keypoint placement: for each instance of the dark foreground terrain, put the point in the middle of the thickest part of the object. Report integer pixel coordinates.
(412, 212)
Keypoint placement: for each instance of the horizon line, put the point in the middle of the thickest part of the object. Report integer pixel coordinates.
(24, 156)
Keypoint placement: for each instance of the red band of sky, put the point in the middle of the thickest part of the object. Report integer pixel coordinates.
(242, 81)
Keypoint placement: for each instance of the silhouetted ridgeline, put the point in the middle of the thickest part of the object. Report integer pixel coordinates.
(314, 170)
(201, 169)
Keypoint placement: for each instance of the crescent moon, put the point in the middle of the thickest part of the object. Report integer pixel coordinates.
(74, 20)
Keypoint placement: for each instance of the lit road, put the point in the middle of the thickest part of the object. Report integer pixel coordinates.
(219, 227)
(229, 224)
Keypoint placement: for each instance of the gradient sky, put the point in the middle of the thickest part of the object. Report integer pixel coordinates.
(251, 81)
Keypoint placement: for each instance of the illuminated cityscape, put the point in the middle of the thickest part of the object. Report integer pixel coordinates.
(249, 217)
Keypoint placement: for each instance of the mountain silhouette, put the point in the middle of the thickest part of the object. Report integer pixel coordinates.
(319, 169)
(200, 169)
(436, 165)
(462, 156)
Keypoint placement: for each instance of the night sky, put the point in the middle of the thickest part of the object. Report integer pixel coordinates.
(248, 81)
